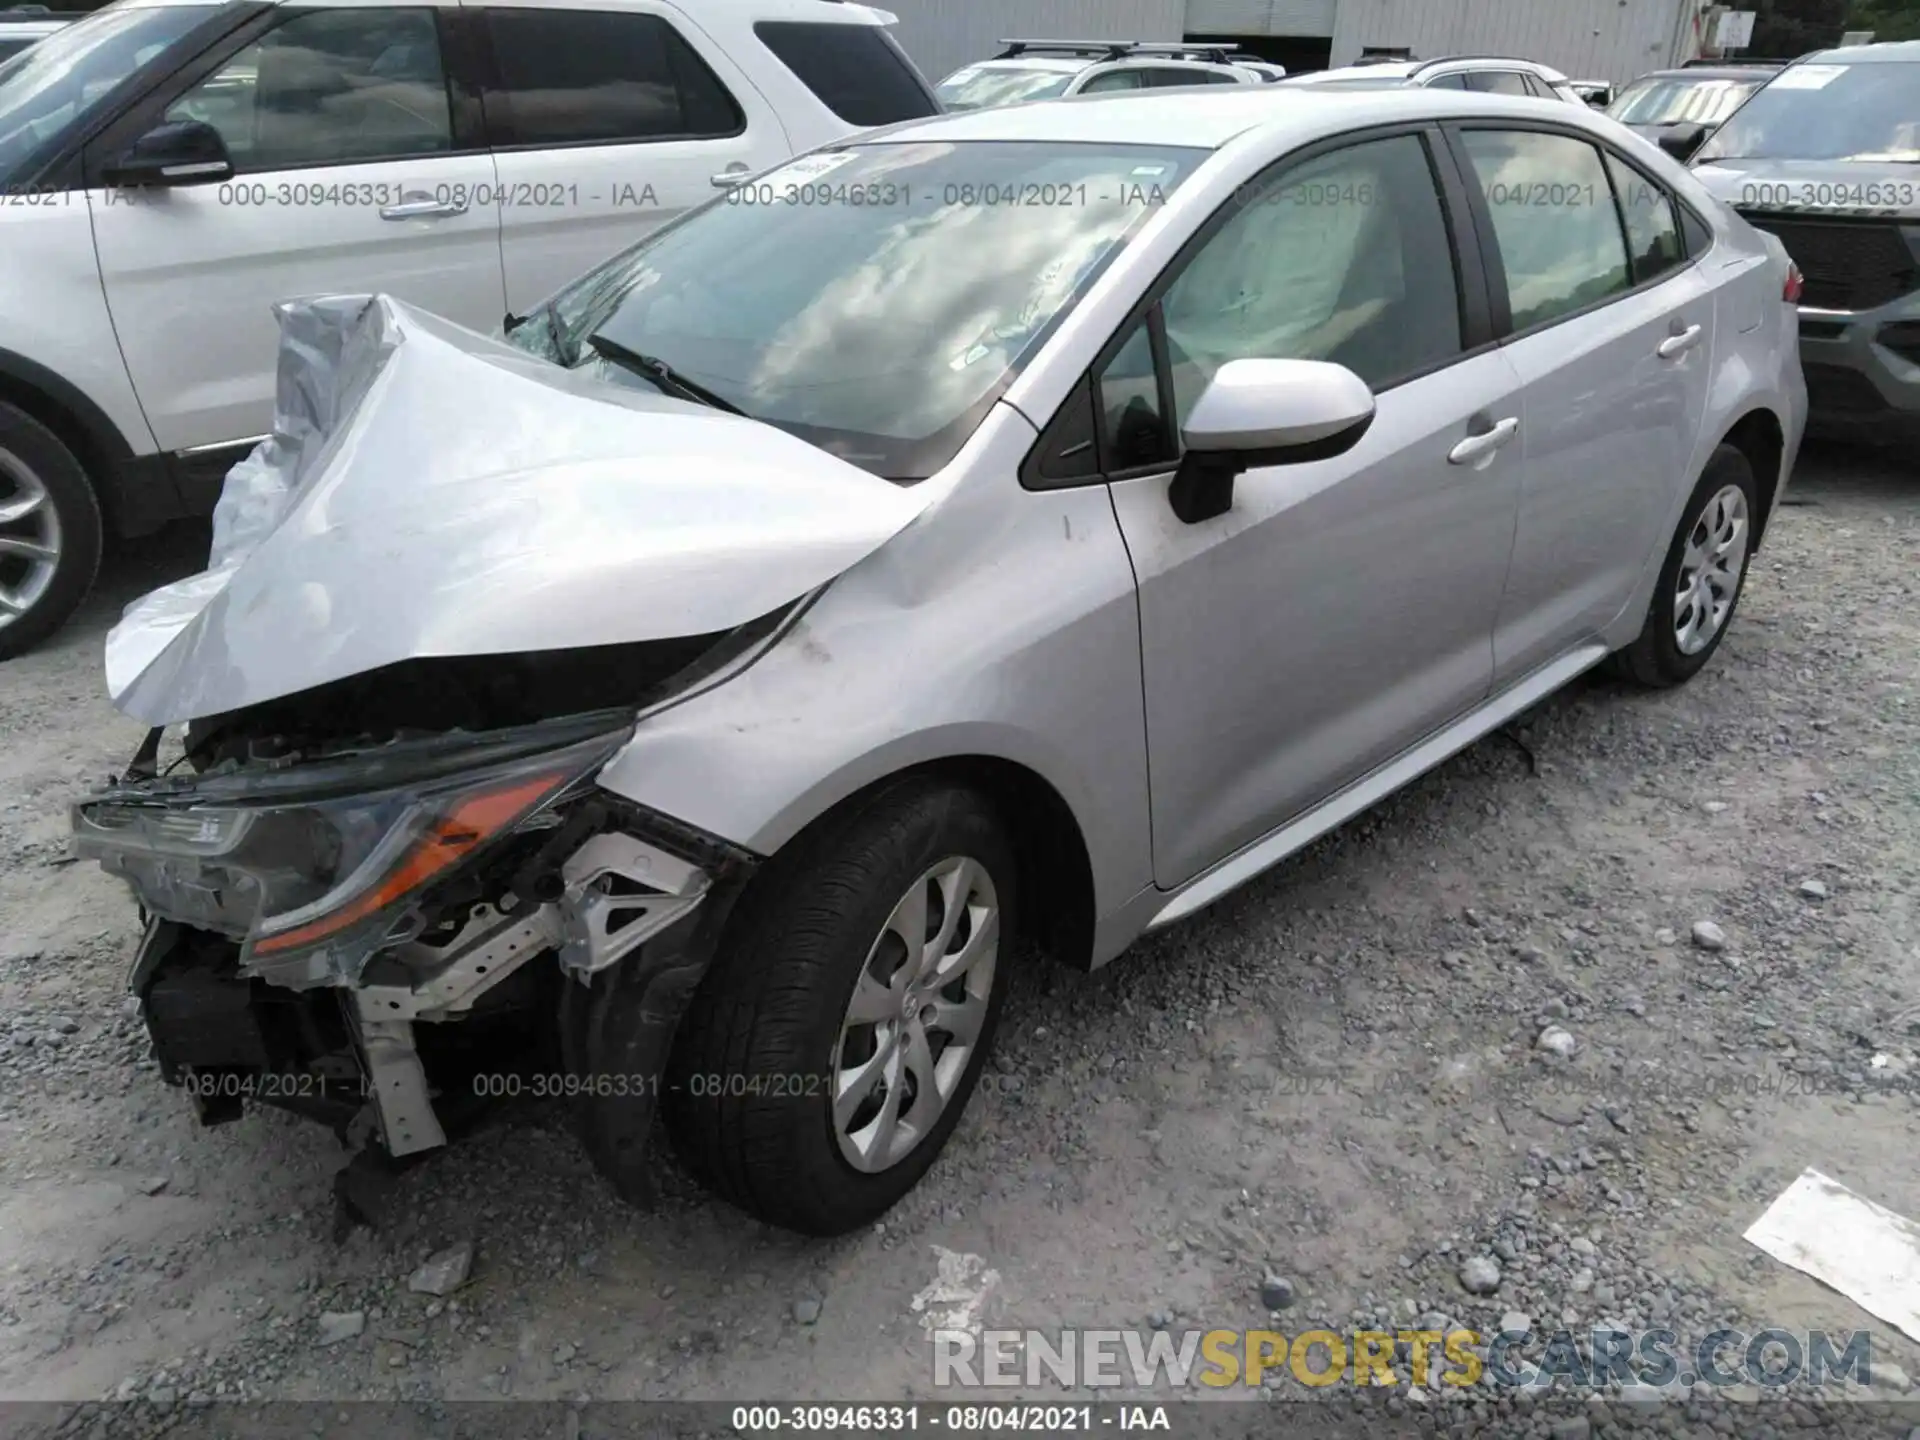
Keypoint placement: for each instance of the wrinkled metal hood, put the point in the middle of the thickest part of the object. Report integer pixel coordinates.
(428, 492)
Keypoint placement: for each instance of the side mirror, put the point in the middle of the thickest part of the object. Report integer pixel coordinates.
(180, 152)
(1680, 141)
(1265, 412)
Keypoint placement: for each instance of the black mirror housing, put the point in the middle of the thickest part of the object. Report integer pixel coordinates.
(180, 152)
(1680, 141)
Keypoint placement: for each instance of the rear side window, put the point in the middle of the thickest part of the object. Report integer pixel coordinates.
(856, 71)
(1500, 82)
(1553, 220)
(1653, 227)
(583, 77)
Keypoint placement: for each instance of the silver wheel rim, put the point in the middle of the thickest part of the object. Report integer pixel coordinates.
(29, 539)
(916, 1014)
(1710, 570)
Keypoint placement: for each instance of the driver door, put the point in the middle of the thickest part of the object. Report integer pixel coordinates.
(1343, 608)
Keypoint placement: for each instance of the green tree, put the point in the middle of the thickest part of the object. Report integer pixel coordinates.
(1888, 19)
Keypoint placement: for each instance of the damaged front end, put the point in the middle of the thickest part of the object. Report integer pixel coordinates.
(379, 880)
(350, 934)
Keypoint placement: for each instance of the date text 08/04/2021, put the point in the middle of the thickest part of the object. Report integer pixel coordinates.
(510, 1085)
(1009, 1419)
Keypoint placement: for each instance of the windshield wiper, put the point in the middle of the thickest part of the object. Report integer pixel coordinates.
(652, 367)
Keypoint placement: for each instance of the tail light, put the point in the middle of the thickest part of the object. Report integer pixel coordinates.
(1796, 282)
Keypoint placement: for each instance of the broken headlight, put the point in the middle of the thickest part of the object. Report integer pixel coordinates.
(313, 883)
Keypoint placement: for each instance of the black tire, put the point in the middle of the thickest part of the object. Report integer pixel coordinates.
(1655, 658)
(50, 466)
(749, 1096)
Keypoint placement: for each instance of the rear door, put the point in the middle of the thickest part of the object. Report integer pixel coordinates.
(608, 118)
(359, 166)
(1611, 330)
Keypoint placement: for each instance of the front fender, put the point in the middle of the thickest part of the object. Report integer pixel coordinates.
(1003, 624)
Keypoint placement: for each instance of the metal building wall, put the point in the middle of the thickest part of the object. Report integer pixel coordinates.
(943, 35)
(1598, 39)
(1311, 18)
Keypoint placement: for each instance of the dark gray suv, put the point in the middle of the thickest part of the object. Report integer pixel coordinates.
(1827, 158)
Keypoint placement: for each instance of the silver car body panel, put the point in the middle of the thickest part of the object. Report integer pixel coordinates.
(431, 492)
(1196, 737)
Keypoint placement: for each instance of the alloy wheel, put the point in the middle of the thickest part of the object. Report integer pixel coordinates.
(29, 539)
(916, 1014)
(1710, 570)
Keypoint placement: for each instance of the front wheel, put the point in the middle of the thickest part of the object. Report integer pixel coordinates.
(832, 1047)
(1702, 578)
(50, 532)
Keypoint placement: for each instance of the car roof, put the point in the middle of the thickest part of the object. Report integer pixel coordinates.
(1209, 117)
(1037, 64)
(1886, 51)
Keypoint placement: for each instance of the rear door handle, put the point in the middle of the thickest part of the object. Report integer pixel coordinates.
(421, 206)
(1479, 447)
(731, 176)
(1678, 344)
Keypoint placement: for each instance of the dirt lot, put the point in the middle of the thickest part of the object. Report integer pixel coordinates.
(1332, 1078)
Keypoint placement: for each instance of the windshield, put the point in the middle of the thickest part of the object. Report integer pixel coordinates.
(979, 87)
(1863, 111)
(1680, 101)
(45, 89)
(872, 301)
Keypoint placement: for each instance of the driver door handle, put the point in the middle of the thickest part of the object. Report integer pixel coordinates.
(1678, 343)
(1483, 445)
(733, 175)
(422, 206)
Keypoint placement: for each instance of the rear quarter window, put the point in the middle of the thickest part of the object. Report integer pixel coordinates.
(856, 71)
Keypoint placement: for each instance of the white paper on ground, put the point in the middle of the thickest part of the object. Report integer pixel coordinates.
(1865, 1251)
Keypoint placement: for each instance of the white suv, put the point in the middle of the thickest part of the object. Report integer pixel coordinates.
(1050, 69)
(1490, 74)
(171, 171)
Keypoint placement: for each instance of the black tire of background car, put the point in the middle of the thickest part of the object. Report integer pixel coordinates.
(1654, 659)
(773, 1003)
(81, 531)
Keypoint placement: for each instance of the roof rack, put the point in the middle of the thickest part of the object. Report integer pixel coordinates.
(1116, 49)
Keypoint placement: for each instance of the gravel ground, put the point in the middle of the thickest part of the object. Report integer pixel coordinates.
(1555, 1037)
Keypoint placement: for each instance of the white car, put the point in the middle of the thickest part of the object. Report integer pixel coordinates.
(23, 29)
(1053, 69)
(171, 171)
(1489, 74)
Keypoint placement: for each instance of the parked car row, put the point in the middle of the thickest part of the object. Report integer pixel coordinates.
(1027, 70)
(1002, 530)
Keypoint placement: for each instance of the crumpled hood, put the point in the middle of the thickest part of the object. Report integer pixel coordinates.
(428, 492)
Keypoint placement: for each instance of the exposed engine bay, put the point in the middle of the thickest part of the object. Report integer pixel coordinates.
(382, 903)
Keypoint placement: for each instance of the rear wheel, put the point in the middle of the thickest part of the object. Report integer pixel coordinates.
(834, 1044)
(50, 532)
(1701, 581)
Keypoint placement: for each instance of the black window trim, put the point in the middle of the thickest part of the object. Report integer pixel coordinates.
(1478, 335)
(497, 103)
(1495, 270)
(138, 118)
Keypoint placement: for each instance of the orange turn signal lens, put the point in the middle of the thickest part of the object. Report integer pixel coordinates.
(450, 840)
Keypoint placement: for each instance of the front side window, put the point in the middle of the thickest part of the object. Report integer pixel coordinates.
(1448, 82)
(981, 87)
(856, 71)
(1112, 80)
(1553, 220)
(55, 85)
(1133, 423)
(584, 77)
(330, 87)
(1864, 112)
(1653, 224)
(1343, 258)
(874, 300)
